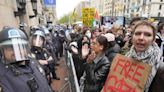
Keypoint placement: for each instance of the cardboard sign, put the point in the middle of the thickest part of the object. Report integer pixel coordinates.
(88, 16)
(126, 75)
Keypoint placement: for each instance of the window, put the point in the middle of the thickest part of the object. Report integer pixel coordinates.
(138, 9)
(124, 8)
(160, 6)
(161, 0)
(132, 10)
(159, 14)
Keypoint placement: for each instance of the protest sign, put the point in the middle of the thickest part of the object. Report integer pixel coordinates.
(126, 75)
(88, 16)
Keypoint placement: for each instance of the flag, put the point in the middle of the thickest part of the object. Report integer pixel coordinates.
(96, 16)
(73, 15)
(74, 12)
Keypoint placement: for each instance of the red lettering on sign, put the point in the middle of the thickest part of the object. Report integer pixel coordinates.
(128, 69)
(119, 64)
(119, 85)
(137, 73)
(131, 70)
(126, 75)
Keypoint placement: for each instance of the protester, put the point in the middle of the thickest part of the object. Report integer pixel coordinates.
(96, 67)
(145, 49)
(79, 59)
(158, 81)
(113, 47)
(160, 37)
(128, 35)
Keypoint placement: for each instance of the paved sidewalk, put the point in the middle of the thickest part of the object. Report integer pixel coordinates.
(62, 84)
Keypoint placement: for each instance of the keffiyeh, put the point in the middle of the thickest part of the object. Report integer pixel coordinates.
(152, 56)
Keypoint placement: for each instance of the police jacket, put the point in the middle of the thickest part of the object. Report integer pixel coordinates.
(42, 54)
(96, 74)
(57, 42)
(22, 78)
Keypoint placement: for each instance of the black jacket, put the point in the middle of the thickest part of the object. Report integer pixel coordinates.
(96, 74)
(158, 81)
(111, 52)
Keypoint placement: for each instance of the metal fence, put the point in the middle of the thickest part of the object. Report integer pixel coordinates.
(72, 78)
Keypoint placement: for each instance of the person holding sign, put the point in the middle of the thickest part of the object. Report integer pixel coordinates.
(145, 49)
(96, 67)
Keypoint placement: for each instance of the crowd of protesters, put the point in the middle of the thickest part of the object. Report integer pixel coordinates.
(93, 51)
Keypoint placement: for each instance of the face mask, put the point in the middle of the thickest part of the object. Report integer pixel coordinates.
(88, 34)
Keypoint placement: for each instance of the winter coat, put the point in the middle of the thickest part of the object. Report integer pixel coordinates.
(111, 52)
(158, 81)
(96, 74)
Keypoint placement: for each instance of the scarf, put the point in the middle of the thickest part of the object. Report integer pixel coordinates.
(152, 56)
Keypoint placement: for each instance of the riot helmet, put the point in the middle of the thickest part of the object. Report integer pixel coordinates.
(22, 26)
(33, 29)
(48, 35)
(38, 38)
(13, 45)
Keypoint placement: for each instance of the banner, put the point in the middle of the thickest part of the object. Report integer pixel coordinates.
(88, 15)
(109, 20)
(50, 2)
(126, 75)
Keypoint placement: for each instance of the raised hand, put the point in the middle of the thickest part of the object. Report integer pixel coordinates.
(85, 50)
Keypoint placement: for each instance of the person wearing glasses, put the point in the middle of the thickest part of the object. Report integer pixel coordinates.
(96, 67)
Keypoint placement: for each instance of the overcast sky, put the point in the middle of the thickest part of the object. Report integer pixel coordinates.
(65, 6)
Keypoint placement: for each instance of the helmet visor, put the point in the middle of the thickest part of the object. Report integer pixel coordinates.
(14, 50)
(37, 41)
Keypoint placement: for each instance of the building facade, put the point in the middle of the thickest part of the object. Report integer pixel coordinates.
(144, 8)
(7, 8)
(80, 6)
(98, 5)
(130, 8)
(29, 12)
(108, 7)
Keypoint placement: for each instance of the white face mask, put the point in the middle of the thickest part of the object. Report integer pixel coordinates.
(88, 34)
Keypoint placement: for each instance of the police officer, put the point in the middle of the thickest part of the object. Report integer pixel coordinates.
(40, 53)
(18, 72)
(49, 46)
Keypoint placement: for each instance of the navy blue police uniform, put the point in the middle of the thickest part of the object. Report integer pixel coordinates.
(42, 54)
(23, 78)
(18, 72)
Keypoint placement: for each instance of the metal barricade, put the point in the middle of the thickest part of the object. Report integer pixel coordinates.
(72, 77)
